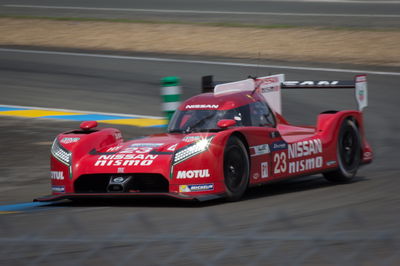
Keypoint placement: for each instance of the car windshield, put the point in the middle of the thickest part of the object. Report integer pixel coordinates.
(198, 120)
(254, 114)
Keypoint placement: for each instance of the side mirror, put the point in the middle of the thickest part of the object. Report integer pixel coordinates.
(88, 125)
(225, 123)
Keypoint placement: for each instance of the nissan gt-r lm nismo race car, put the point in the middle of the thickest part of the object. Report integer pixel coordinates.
(217, 145)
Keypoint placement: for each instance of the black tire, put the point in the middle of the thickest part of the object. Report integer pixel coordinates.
(348, 153)
(236, 169)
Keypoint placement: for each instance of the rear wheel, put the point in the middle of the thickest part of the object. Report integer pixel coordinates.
(348, 153)
(236, 168)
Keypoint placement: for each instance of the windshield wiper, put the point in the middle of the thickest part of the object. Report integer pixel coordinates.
(176, 131)
(188, 129)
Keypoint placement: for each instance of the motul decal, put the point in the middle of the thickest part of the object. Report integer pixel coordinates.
(57, 175)
(193, 174)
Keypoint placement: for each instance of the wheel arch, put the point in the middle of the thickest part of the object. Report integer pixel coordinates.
(346, 170)
(238, 140)
(243, 138)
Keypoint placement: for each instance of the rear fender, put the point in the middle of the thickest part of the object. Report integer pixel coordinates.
(328, 125)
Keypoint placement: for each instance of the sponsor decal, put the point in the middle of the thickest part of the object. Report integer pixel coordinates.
(264, 170)
(118, 179)
(293, 161)
(191, 138)
(305, 148)
(193, 174)
(202, 106)
(256, 175)
(268, 84)
(367, 155)
(118, 136)
(137, 150)
(311, 83)
(172, 148)
(267, 88)
(196, 188)
(121, 170)
(147, 145)
(59, 189)
(361, 95)
(361, 91)
(306, 164)
(280, 162)
(113, 149)
(330, 163)
(69, 140)
(237, 118)
(279, 145)
(260, 149)
(126, 160)
(57, 175)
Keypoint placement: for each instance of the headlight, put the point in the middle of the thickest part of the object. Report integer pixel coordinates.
(192, 150)
(61, 153)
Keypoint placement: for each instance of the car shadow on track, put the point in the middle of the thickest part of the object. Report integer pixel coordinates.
(269, 190)
(299, 184)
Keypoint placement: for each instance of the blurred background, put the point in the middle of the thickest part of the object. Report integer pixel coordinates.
(109, 57)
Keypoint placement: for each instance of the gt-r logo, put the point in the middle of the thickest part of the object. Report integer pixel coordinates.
(193, 174)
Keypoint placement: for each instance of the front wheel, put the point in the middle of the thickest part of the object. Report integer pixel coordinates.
(348, 153)
(236, 168)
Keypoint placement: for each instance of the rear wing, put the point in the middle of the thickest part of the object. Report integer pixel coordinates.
(270, 87)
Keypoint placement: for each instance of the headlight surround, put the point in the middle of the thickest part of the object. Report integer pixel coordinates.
(61, 153)
(192, 150)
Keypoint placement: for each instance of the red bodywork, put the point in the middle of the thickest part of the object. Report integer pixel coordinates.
(275, 153)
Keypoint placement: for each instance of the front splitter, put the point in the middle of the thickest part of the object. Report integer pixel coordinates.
(72, 196)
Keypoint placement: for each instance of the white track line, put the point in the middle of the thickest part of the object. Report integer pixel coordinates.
(207, 11)
(83, 112)
(331, 1)
(156, 59)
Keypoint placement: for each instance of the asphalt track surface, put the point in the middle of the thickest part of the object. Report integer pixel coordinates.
(333, 13)
(132, 86)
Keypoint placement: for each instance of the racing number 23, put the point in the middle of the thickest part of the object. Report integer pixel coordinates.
(280, 162)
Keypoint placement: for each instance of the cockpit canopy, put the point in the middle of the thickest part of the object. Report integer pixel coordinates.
(256, 114)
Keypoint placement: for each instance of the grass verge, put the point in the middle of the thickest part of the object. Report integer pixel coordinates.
(281, 42)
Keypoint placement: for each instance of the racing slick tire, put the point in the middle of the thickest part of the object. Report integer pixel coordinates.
(236, 169)
(348, 152)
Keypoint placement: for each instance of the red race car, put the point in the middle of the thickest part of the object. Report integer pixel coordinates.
(218, 144)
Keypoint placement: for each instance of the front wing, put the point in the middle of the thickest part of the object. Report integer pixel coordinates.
(72, 196)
